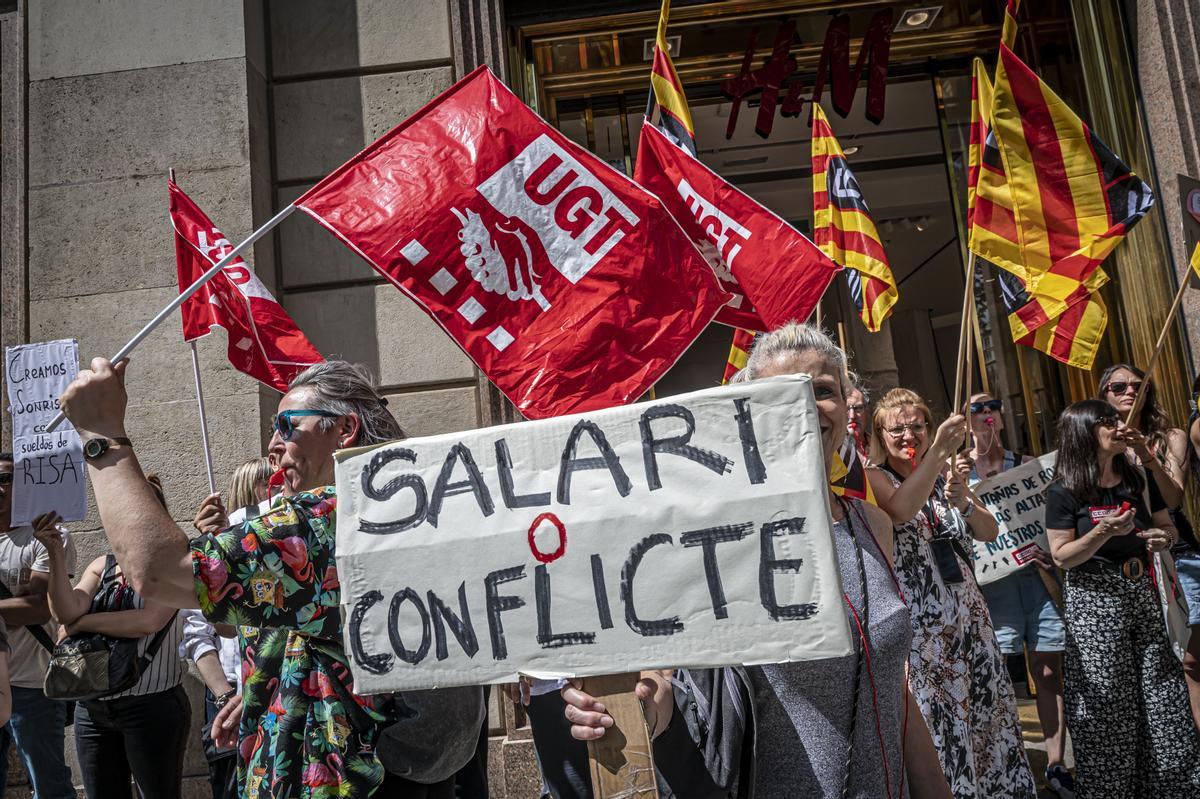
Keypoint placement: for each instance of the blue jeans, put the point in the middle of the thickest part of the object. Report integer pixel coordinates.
(37, 727)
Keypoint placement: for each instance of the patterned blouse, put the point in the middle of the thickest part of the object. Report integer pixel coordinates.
(303, 732)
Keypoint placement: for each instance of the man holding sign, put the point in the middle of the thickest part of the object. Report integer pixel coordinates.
(812, 728)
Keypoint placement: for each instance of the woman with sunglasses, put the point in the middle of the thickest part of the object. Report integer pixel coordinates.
(1023, 613)
(842, 727)
(956, 671)
(1127, 704)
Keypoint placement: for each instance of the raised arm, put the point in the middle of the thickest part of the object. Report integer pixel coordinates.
(903, 502)
(152, 550)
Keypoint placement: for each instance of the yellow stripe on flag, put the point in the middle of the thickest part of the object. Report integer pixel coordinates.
(1196, 260)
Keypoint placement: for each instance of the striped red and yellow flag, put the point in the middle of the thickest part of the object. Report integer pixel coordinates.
(843, 229)
(666, 91)
(739, 352)
(848, 473)
(1072, 200)
(1195, 262)
(1073, 337)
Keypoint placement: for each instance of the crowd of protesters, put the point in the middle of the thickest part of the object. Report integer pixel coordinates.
(923, 706)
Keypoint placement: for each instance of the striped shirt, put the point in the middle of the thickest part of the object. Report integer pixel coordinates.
(167, 669)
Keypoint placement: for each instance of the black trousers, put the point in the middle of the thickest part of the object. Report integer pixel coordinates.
(142, 736)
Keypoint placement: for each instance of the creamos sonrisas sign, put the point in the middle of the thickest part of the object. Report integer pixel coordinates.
(691, 531)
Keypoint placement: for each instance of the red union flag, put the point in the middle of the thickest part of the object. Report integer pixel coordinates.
(264, 342)
(774, 272)
(570, 287)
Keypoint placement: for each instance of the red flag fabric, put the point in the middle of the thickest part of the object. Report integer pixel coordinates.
(566, 283)
(263, 340)
(774, 272)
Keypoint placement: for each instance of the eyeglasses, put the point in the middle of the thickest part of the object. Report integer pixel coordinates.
(1119, 387)
(283, 421)
(1108, 422)
(898, 430)
(856, 408)
(993, 405)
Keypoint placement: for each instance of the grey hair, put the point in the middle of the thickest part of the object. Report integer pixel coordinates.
(796, 338)
(347, 388)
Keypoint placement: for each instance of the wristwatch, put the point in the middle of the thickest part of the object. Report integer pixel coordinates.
(94, 448)
(966, 512)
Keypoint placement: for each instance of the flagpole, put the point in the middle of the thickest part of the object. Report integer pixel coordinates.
(158, 319)
(1158, 348)
(212, 485)
(963, 341)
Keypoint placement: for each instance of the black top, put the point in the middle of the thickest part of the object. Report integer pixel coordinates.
(1064, 512)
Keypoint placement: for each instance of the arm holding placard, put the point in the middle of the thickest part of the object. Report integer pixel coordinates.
(979, 519)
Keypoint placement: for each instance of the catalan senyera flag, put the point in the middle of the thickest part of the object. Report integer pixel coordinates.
(666, 92)
(848, 473)
(1074, 335)
(1072, 200)
(739, 353)
(1196, 261)
(843, 228)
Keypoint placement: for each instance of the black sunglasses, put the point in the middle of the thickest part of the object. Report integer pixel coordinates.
(993, 405)
(1119, 387)
(1108, 422)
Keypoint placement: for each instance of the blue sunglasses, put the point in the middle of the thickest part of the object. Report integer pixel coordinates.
(283, 423)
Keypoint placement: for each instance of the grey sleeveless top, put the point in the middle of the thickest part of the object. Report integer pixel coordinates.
(803, 709)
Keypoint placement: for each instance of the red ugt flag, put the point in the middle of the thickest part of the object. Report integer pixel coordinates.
(774, 272)
(264, 342)
(570, 287)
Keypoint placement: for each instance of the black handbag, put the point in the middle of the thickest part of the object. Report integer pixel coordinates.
(93, 665)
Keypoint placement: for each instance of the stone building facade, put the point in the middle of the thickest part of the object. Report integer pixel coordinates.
(251, 102)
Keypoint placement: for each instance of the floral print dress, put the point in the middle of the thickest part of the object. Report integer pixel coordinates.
(303, 732)
(956, 671)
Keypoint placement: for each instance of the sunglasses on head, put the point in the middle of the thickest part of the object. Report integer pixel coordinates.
(993, 405)
(283, 423)
(1119, 387)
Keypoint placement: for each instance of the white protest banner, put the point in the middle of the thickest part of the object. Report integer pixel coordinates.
(691, 531)
(1017, 498)
(48, 470)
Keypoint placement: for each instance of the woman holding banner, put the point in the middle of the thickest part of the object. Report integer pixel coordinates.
(1126, 700)
(956, 671)
(831, 728)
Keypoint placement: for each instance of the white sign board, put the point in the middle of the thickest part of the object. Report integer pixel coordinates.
(1017, 498)
(48, 471)
(692, 531)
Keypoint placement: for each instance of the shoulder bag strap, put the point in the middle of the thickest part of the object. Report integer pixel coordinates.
(155, 644)
(36, 630)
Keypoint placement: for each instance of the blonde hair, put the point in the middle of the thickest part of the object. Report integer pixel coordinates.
(895, 400)
(794, 338)
(252, 473)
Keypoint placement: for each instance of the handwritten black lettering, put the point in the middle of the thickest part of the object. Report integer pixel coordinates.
(459, 624)
(376, 664)
(508, 493)
(769, 565)
(413, 656)
(708, 538)
(602, 606)
(644, 627)
(497, 604)
(411, 481)
(755, 469)
(675, 445)
(546, 637)
(472, 485)
(572, 463)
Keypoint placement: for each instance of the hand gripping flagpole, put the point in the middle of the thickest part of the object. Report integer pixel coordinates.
(123, 353)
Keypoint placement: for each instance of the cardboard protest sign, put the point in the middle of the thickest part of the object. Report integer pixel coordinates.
(1017, 498)
(48, 470)
(691, 531)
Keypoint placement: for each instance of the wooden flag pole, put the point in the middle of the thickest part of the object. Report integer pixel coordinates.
(622, 762)
(158, 319)
(964, 340)
(1158, 348)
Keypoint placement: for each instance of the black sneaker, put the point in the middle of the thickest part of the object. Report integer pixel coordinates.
(1059, 780)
